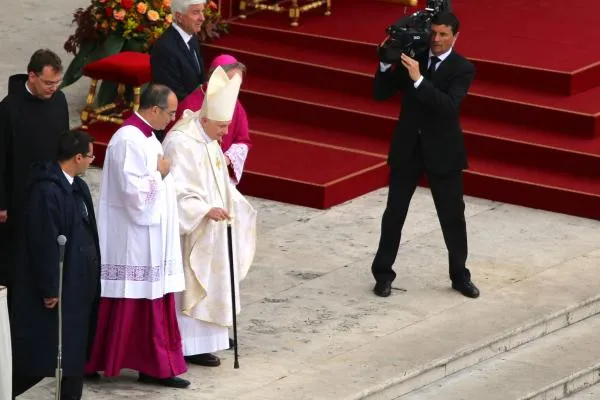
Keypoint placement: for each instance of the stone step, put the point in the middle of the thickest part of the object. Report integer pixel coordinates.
(540, 370)
(591, 393)
(393, 363)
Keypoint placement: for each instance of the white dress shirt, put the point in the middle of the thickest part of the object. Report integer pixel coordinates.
(184, 35)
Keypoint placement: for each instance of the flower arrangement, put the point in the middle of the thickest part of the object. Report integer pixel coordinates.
(107, 27)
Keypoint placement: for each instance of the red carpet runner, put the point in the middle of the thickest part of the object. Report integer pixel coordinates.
(531, 119)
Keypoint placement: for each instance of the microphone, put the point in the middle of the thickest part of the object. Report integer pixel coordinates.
(61, 240)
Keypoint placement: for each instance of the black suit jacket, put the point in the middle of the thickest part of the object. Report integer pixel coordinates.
(430, 111)
(173, 65)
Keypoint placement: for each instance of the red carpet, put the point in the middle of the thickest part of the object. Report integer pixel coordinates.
(531, 118)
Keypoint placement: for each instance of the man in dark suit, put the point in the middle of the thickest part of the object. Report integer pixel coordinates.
(428, 139)
(58, 203)
(175, 57)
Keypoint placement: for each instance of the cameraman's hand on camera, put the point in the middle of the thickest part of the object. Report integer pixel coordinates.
(412, 66)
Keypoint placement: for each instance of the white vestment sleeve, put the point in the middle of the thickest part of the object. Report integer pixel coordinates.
(237, 154)
(139, 186)
(186, 157)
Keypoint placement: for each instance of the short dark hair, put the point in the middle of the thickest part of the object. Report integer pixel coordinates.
(72, 143)
(448, 19)
(155, 95)
(44, 58)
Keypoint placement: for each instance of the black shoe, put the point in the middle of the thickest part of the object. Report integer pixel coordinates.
(206, 360)
(173, 382)
(467, 289)
(383, 289)
(94, 376)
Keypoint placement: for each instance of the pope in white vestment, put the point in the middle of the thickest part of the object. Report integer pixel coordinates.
(207, 201)
(141, 264)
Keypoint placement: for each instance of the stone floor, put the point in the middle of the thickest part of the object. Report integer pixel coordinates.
(307, 297)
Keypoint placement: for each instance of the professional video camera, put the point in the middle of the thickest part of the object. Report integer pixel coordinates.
(410, 34)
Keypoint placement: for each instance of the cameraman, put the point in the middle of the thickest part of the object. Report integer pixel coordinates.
(428, 139)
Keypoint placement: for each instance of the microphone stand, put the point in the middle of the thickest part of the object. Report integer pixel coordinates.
(61, 240)
(236, 363)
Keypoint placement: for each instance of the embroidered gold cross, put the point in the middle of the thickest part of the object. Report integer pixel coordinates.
(218, 163)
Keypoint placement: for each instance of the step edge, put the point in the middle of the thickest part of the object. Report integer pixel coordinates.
(482, 351)
(530, 183)
(247, 25)
(470, 94)
(528, 68)
(466, 131)
(531, 144)
(364, 74)
(577, 381)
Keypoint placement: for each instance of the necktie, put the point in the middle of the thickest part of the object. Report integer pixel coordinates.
(432, 64)
(193, 53)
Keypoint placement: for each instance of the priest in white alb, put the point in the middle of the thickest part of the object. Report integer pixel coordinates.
(208, 201)
(141, 264)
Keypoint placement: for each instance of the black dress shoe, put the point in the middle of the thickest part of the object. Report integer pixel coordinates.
(173, 382)
(383, 289)
(206, 360)
(94, 376)
(467, 289)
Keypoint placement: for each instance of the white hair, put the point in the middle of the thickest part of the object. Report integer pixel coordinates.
(181, 6)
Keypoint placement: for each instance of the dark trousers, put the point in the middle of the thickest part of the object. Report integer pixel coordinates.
(447, 192)
(71, 388)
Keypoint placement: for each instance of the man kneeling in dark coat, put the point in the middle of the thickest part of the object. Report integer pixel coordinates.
(59, 203)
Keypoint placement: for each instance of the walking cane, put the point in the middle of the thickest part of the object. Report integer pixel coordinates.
(62, 240)
(236, 363)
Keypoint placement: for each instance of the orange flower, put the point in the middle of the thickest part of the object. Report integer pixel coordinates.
(142, 8)
(119, 15)
(212, 5)
(166, 3)
(152, 15)
(169, 18)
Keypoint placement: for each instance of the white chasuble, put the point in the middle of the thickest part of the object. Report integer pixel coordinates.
(202, 182)
(138, 220)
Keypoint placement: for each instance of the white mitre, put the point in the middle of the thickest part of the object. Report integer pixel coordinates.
(221, 95)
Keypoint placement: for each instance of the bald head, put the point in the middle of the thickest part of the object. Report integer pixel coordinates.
(158, 105)
(155, 95)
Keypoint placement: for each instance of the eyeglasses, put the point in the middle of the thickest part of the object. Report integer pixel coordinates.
(50, 83)
(89, 156)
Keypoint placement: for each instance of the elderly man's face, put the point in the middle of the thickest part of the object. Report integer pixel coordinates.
(191, 21)
(215, 129)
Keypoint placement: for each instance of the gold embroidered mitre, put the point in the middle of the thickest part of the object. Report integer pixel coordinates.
(221, 95)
